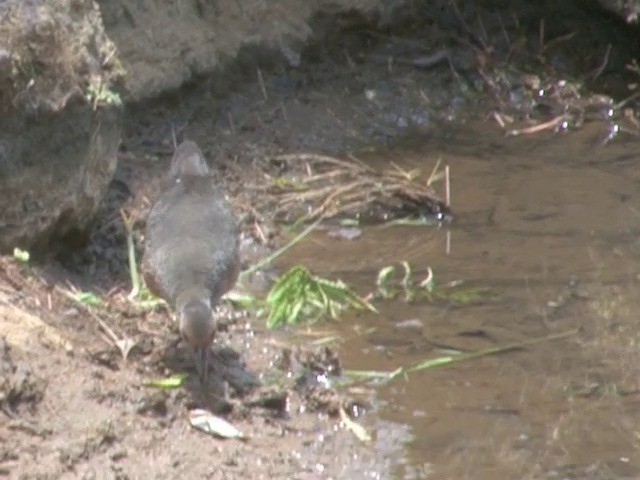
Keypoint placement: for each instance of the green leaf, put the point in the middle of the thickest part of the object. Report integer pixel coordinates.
(21, 255)
(295, 311)
(349, 222)
(407, 278)
(384, 276)
(87, 298)
(430, 281)
(432, 363)
(242, 300)
(299, 295)
(277, 315)
(175, 381)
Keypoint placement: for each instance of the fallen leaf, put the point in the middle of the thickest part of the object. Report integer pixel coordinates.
(357, 429)
(209, 423)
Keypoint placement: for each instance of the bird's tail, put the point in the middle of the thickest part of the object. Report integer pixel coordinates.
(188, 161)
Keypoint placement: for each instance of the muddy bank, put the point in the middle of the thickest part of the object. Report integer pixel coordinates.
(60, 362)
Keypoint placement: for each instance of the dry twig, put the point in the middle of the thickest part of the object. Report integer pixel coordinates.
(328, 186)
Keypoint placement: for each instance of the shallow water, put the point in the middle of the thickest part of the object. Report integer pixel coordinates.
(550, 223)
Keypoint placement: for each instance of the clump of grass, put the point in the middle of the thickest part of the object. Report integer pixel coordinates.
(315, 186)
(299, 295)
(390, 286)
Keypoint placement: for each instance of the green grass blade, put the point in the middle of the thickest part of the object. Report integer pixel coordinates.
(377, 375)
(174, 381)
(281, 250)
(448, 360)
(432, 363)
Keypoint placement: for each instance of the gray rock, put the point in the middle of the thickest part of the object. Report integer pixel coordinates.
(59, 118)
(164, 44)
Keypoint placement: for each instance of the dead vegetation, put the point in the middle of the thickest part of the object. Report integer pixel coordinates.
(532, 73)
(545, 82)
(312, 186)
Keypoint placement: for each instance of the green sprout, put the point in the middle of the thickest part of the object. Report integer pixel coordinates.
(20, 255)
(86, 298)
(99, 95)
(298, 295)
(388, 287)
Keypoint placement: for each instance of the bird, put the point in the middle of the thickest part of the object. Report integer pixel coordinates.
(191, 255)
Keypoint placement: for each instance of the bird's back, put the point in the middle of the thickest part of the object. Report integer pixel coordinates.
(191, 235)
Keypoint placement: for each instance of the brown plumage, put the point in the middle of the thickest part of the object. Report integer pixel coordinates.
(191, 254)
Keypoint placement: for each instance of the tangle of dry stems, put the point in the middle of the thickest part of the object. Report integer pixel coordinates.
(320, 185)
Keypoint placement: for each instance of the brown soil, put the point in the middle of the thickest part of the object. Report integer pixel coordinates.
(74, 408)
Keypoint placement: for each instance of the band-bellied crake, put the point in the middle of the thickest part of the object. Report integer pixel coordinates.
(191, 255)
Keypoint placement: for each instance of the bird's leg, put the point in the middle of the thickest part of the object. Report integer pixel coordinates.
(202, 364)
(227, 395)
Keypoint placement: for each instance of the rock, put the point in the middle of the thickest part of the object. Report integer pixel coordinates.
(59, 118)
(163, 44)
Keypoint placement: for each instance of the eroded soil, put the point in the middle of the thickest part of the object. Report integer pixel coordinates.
(74, 408)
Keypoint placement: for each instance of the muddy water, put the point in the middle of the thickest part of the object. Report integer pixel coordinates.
(551, 224)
